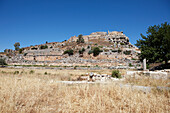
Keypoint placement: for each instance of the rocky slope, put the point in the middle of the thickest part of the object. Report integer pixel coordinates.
(115, 50)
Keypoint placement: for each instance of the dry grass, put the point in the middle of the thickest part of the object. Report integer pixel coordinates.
(147, 81)
(34, 93)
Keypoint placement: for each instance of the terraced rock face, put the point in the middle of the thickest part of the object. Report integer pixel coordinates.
(115, 50)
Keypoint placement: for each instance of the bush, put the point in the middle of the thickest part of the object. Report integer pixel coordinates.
(25, 54)
(122, 43)
(45, 73)
(3, 62)
(100, 46)
(31, 72)
(81, 51)
(127, 52)
(75, 67)
(44, 47)
(16, 72)
(130, 65)
(88, 47)
(90, 52)
(133, 59)
(96, 51)
(119, 50)
(69, 52)
(106, 50)
(116, 74)
(20, 50)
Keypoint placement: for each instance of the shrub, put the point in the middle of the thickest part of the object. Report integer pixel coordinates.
(100, 46)
(127, 52)
(3, 71)
(133, 59)
(31, 72)
(106, 50)
(130, 65)
(114, 50)
(69, 52)
(3, 62)
(16, 72)
(20, 50)
(25, 54)
(75, 67)
(90, 52)
(81, 51)
(43, 47)
(119, 50)
(96, 51)
(122, 43)
(45, 73)
(88, 47)
(147, 66)
(116, 74)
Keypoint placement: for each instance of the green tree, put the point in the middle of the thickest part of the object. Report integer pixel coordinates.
(90, 52)
(69, 52)
(80, 39)
(20, 50)
(16, 45)
(43, 47)
(155, 47)
(81, 51)
(96, 51)
(2, 62)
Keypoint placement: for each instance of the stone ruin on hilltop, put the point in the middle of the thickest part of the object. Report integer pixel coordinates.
(116, 51)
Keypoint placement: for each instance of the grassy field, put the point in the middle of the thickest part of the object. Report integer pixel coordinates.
(147, 81)
(25, 90)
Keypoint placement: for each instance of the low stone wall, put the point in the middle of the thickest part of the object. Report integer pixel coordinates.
(163, 74)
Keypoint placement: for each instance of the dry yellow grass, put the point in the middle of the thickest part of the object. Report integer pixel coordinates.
(34, 93)
(148, 81)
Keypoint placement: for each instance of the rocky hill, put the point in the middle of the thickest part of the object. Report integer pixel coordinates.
(98, 48)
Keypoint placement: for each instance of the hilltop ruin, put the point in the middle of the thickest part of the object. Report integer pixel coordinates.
(116, 50)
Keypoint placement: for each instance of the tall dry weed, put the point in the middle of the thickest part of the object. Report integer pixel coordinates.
(35, 93)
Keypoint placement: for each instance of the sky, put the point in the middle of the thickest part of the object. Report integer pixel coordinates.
(33, 22)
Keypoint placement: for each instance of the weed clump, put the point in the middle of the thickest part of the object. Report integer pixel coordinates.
(45, 73)
(32, 72)
(16, 72)
(116, 74)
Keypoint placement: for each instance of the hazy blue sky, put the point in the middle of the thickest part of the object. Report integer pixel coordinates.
(32, 22)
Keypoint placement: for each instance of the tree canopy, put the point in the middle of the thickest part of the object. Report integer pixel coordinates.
(43, 47)
(80, 39)
(69, 52)
(16, 45)
(96, 51)
(2, 62)
(155, 46)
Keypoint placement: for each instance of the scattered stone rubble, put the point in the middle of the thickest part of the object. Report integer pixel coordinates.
(94, 77)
